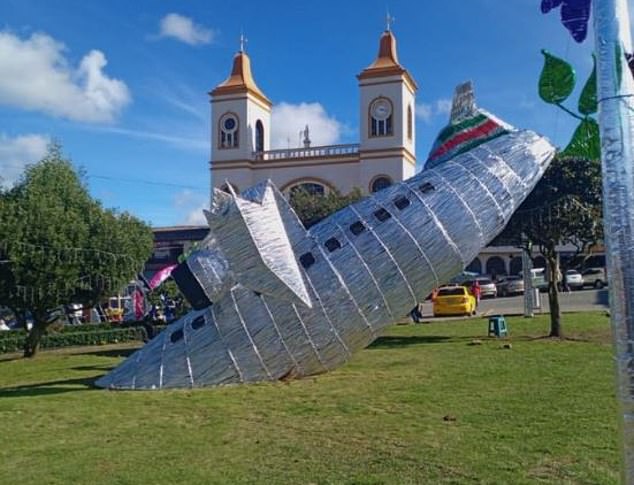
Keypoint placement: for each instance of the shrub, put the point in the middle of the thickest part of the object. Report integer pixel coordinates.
(15, 343)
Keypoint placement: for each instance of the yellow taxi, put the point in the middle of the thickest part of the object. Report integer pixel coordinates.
(454, 300)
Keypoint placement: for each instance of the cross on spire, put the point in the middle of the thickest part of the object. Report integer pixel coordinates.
(389, 20)
(243, 42)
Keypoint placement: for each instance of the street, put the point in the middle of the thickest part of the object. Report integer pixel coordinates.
(582, 300)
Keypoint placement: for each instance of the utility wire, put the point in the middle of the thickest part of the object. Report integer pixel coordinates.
(147, 182)
(127, 179)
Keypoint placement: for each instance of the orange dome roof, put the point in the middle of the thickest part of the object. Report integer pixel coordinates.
(386, 63)
(240, 80)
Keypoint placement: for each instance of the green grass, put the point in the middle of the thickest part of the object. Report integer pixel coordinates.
(541, 412)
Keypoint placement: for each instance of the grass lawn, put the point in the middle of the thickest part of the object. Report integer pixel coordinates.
(421, 405)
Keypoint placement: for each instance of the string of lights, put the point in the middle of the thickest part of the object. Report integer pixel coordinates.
(141, 181)
(61, 253)
(32, 294)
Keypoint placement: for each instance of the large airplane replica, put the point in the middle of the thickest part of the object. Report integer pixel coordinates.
(275, 301)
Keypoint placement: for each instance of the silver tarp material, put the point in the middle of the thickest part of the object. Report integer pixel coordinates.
(616, 118)
(284, 302)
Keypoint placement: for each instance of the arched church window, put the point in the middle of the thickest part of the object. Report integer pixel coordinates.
(229, 131)
(380, 183)
(381, 117)
(259, 136)
(410, 129)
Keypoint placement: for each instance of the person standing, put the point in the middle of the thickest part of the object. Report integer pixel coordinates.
(476, 291)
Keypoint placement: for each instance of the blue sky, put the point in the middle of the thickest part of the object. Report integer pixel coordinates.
(123, 85)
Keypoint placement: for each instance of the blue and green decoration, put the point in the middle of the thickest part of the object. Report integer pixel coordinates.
(557, 80)
(574, 15)
(556, 84)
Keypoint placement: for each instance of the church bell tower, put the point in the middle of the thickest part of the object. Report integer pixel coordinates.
(387, 117)
(240, 123)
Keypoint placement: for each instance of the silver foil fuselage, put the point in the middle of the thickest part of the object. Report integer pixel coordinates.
(364, 267)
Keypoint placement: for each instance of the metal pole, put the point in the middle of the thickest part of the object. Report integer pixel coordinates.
(616, 117)
(527, 265)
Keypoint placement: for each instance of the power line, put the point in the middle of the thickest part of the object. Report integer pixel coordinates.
(148, 182)
(125, 179)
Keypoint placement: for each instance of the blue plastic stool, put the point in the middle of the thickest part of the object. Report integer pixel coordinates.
(497, 326)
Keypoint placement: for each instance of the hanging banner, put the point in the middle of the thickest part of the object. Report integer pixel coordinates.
(139, 304)
(161, 275)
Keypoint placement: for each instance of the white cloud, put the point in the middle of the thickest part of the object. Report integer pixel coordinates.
(17, 152)
(196, 217)
(191, 108)
(189, 206)
(443, 106)
(36, 76)
(184, 29)
(426, 111)
(287, 120)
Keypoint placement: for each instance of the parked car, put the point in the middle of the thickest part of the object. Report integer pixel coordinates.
(574, 279)
(595, 277)
(454, 300)
(510, 285)
(487, 287)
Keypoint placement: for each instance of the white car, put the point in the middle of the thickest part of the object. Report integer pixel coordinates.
(510, 285)
(574, 279)
(594, 277)
(487, 288)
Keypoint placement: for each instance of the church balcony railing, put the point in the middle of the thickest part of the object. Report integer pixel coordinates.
(310, 152)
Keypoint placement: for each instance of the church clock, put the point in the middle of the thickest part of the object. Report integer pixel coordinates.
(381, 109)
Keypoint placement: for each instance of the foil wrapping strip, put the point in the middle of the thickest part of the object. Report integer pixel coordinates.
(302, 302)
(616, 118)
(211, 270)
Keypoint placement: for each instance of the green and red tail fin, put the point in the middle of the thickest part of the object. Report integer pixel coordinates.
(468, 128)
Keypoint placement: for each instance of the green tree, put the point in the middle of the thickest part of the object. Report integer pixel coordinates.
(58, 245)
(564, 208)
(312, 208)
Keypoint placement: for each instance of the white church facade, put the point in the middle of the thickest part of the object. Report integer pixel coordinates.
(241, 154)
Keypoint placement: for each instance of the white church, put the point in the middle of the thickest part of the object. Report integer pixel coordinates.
(241, 130)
